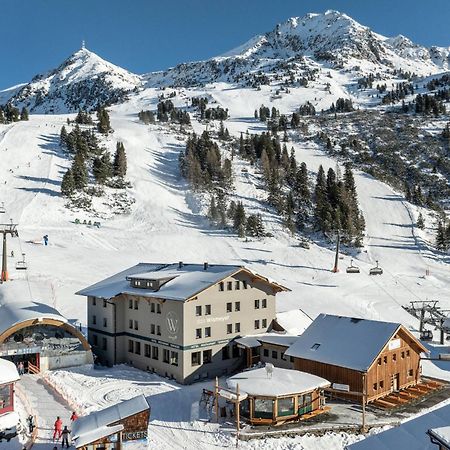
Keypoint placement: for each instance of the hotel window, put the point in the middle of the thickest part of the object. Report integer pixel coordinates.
(198, 333)
(136, 325)
(95, 339)
(196, 358)
(244, 284)
(174, 358)
(237, 285)
(229, 285)
(152, 328)
(229, 307)
(158, 330)
(207, 356)
(130, 324)
(130, 304)
(105, 322)
(152, 307)
(104, 304)
(237, 327)
(256, 304)
(158, 308)
(94, 301)
(147, 350)
(130, 346)
(94, 320)
(207, 310)
(237, 306)
(154, 352)
(137, 348)
(264, 303)
(266, 352)
(207, 332)
(198, 310)
(256, 324)
(229, 328)
(136, 304)
(264, 323)
(221, 286)
(166, 356)
(274, 354)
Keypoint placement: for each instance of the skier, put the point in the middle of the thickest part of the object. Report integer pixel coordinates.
(65, 437)
(30, 422)
(73, 417)
(45, 239)
(57, 428)
(12, 253)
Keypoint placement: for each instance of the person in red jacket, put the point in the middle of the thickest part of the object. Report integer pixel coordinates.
(73, 417)
(57, 428)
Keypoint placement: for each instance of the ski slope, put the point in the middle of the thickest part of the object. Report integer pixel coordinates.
(166, 224)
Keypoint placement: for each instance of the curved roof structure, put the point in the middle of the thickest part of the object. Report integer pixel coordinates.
(14, 313)
(282, 382)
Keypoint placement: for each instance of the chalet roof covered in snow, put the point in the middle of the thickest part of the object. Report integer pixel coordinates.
(410, 435)
(97, 424)
(281, 382)
(185, 281)
(8, 372)
(283, 340)
(13, 313)
(294, 321)
(343, 341)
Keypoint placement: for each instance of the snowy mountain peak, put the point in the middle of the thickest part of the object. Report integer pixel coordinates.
(83, 80)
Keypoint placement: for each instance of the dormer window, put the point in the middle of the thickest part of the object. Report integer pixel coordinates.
(315, 347)
(151, 281)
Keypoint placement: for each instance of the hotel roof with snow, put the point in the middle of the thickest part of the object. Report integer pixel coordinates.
(180, 281)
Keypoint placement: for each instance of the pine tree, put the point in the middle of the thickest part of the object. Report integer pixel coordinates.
(441, 238)
(120, 161)
(67, 184)
(79, 171)
(63, 136)
(420, 222)
(102, 168)
(24, 114)
(254, 226)
(212, 211)
(103, 125)
(239, 219)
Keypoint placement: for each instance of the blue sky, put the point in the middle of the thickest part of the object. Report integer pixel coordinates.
(146, 35)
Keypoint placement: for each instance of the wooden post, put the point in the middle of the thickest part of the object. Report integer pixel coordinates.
(238, 407)
(364, 403)
(216, 398)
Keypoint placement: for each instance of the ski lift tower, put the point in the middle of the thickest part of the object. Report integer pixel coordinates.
(5, 229)
(336, 258)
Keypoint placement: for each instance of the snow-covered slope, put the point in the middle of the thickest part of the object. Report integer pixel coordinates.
(84, 80)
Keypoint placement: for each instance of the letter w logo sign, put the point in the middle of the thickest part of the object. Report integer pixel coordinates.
(172, 323)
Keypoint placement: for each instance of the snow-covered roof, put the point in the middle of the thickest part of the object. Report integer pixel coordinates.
(13, 313)
(8, 372)
(442, 435)
(295, 321)
(281, 382)
(343, 341)
(187, 280)
(284, 340)
(410, 435)
(97, 424)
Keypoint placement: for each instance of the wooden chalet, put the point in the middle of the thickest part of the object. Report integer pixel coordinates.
(363, 359)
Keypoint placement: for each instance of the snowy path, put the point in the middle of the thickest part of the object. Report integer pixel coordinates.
(48, 404)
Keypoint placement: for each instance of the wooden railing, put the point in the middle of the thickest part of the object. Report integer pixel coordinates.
(32, 368)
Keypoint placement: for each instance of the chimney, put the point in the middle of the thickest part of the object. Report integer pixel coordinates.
(205, 266)
(180, 264)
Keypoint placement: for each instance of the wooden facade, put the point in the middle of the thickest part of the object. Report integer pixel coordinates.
(396, 367)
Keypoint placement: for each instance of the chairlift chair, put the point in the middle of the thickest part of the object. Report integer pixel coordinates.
(426, 335)
(352, 269)
(2, 208)
(376, 270)
(21, 265)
